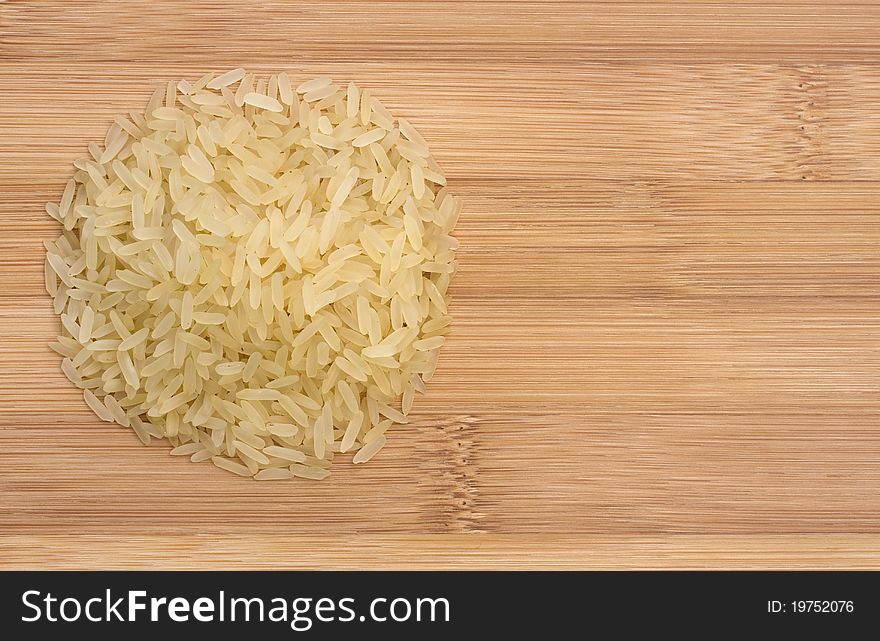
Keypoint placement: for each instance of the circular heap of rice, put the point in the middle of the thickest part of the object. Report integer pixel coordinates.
(255, 272)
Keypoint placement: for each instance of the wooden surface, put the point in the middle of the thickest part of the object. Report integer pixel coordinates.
(666, 349)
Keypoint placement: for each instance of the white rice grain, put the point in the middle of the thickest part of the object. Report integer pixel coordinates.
(369, 450)
(226, 79)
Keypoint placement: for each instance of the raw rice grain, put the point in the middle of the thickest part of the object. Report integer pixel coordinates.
(255, 272)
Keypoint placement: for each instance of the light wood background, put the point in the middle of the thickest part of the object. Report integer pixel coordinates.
(666, 349)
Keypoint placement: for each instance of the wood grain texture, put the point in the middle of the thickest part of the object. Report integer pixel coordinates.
(666, 350)
(442, 551)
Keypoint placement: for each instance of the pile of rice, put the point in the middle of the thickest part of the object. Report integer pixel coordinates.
(255, 271)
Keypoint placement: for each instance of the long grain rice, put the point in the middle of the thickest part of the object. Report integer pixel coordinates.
(255, 272)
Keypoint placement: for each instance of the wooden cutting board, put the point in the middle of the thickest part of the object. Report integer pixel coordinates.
(666, 350)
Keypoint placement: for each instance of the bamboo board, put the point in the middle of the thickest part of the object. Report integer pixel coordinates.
(666, 350)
